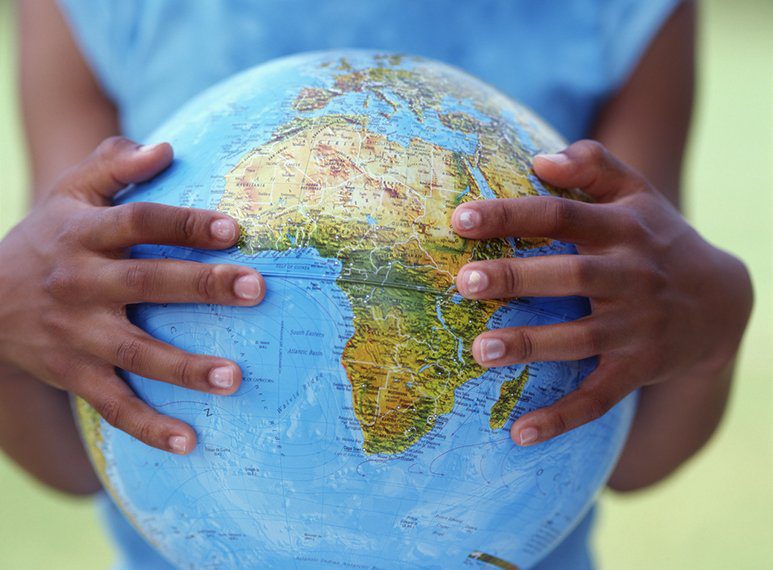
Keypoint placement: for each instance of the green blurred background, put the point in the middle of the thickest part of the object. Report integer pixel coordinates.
(717, 512)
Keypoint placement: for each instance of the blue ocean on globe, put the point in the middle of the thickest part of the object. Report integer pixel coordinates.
(364, 435)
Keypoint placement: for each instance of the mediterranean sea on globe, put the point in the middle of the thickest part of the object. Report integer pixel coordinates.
(364, 434)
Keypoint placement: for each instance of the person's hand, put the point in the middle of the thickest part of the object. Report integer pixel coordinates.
(65, 282)
(665, 304)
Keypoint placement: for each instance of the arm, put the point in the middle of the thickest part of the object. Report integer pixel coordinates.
(65, 269)
(675, 419)
(66, 114)
(668, 309)
(40, 435)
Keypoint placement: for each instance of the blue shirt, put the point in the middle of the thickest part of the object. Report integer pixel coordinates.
(562, 59)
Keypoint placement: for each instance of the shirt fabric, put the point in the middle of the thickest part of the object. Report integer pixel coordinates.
(563, 59)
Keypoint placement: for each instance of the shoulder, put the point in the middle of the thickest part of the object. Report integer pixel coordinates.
(102, 29)
(65, 109)
(626, 30)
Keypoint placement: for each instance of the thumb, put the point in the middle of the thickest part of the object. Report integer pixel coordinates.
(589, 166)
(116, 163)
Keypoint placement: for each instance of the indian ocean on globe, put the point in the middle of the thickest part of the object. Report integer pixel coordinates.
(364, 434)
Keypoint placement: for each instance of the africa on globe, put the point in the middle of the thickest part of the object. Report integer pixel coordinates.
(364, 434)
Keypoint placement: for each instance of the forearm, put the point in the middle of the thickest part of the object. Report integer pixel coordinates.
(673, 422)
(36, 425)
(37, 432)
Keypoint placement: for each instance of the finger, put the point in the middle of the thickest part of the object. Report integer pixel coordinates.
(535, 216)
(141, 222)
(172, 281)
(549, 276)
(589, 166)
(133, 350)
(598, 393)
(116, 163)
(574, 340)
(122, 409)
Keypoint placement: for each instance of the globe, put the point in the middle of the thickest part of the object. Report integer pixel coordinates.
(364, 434)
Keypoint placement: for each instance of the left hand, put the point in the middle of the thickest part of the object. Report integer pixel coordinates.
(665, 303)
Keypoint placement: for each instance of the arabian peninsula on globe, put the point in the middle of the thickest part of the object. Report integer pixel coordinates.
(364, 434)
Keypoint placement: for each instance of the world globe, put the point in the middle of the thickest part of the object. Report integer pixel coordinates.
(364, 434)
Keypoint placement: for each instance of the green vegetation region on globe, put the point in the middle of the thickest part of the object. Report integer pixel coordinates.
(364, 434)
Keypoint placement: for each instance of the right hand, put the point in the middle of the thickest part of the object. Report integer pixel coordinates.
(66, 281)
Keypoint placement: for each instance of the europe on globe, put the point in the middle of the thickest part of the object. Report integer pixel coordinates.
(364, 434)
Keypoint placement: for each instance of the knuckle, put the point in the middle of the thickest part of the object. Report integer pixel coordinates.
(61, 283)
(187, 225)
(650, 278)
(139, 278)
(594, 151)
(184, 371)
(129, 353)
(525, 345)
(206, 283)
(71, 230)
(145, 431)
(558, 215)
(581, 271)
(102, 220)
(632, 225)
(110, 147)
(591, 340)
(503, 215)
(135, 216)
(512, 278)
(656, 281)
(58, 323)
(67, 179)
(560, 421)
(110, 409)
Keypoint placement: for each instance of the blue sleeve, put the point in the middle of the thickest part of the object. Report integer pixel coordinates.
(628, 27)
(99, 30)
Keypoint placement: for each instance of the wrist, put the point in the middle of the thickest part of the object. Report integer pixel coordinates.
(18, 279)
(723, 288)
(737, 296)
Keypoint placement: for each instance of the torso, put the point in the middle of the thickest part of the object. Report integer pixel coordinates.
(564, 60)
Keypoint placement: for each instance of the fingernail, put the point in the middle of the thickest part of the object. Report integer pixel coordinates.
(221, 377)
(559, 158)
(477, 281)
(148, 147)
(178, 444)
(247, 287)
(492, 349)
(223, 230)
(528, 436)
(469, 219)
